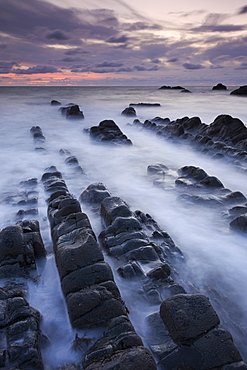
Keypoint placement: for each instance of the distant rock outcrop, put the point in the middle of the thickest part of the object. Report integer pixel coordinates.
(242, 91)
(72, 111)
(164, 87)
(219, 86)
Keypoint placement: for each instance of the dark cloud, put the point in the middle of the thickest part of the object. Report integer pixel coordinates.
(118, 40)
(71, 59)
(140, 26)
(156, 61)
(242, 66)
(57, 35)
(76, 51)
(34, 70)
(109, 64)
(232, 48)
(3, 46)
(192, 66)
(172, 60)
(219, 28)
(243, 10)
(6, 67)
(216, 67)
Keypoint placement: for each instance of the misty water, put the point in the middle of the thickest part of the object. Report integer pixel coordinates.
(216, 257)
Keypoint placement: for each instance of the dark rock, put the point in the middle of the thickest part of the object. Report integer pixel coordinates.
(112, 208)
(160, 272)
(32, 237)
(94, 306)
(239, 223)
(130, 111)
(85, 277)
(72, 111)
(145, 104)
(55, 102)
(164, 87)
(219, 86)
(94, 194)
(135, 358)
(108, 131)
(195, 173)
(130, 270)
(188, 316)
(185, 91)
(241, 91)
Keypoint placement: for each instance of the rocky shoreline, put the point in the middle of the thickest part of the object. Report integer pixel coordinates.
(183, 331)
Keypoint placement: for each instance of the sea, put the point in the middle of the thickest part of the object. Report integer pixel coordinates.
(215, 256)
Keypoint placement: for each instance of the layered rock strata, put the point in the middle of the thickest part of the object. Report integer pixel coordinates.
(186, 333)
(21, 337)
(224, 137)
(92, 297)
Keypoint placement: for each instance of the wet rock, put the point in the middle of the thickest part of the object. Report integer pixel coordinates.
(188, 316)
(130, 111)
(72, 112)
(32, 237)
(130, 270)
(16, 254)
(219, 86)
(55, 102)
(20, 325)
(94, 194)
(108, 131)
(135, 358)
(241, 91)
(239, 223)
(112, 208)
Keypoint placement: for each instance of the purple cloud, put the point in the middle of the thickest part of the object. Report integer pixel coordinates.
(34, 70)
(109, 64)
(6, 67)
(243, 10)
(57, 35)
(118, 40)
(192, 66)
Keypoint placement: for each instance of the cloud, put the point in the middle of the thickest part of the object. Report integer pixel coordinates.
(34, 70)
(140, 26)
(76, 51)
(242, 66)
(172, 60)
(118, 40)
(192, 66)
(6, 67)
(57, 35)
(109, 64)
(243, 10)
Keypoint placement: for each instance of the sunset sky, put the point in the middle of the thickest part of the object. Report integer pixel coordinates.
(123, 42)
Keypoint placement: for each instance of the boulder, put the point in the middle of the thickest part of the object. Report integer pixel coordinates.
(72, 111)
(108, 131)
(55, 102)
(239, 223)
(219, 86)
(94, 194)
(130, 111)
(241, 91)
(188, 317)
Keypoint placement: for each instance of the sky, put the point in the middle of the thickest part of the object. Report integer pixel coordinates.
(123, 42)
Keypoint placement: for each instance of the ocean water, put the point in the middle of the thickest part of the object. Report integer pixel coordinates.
(216, 257)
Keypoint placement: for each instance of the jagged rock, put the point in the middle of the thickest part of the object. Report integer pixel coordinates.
(108, 131)
(130, 111)
(219, 86)
(241, 91)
